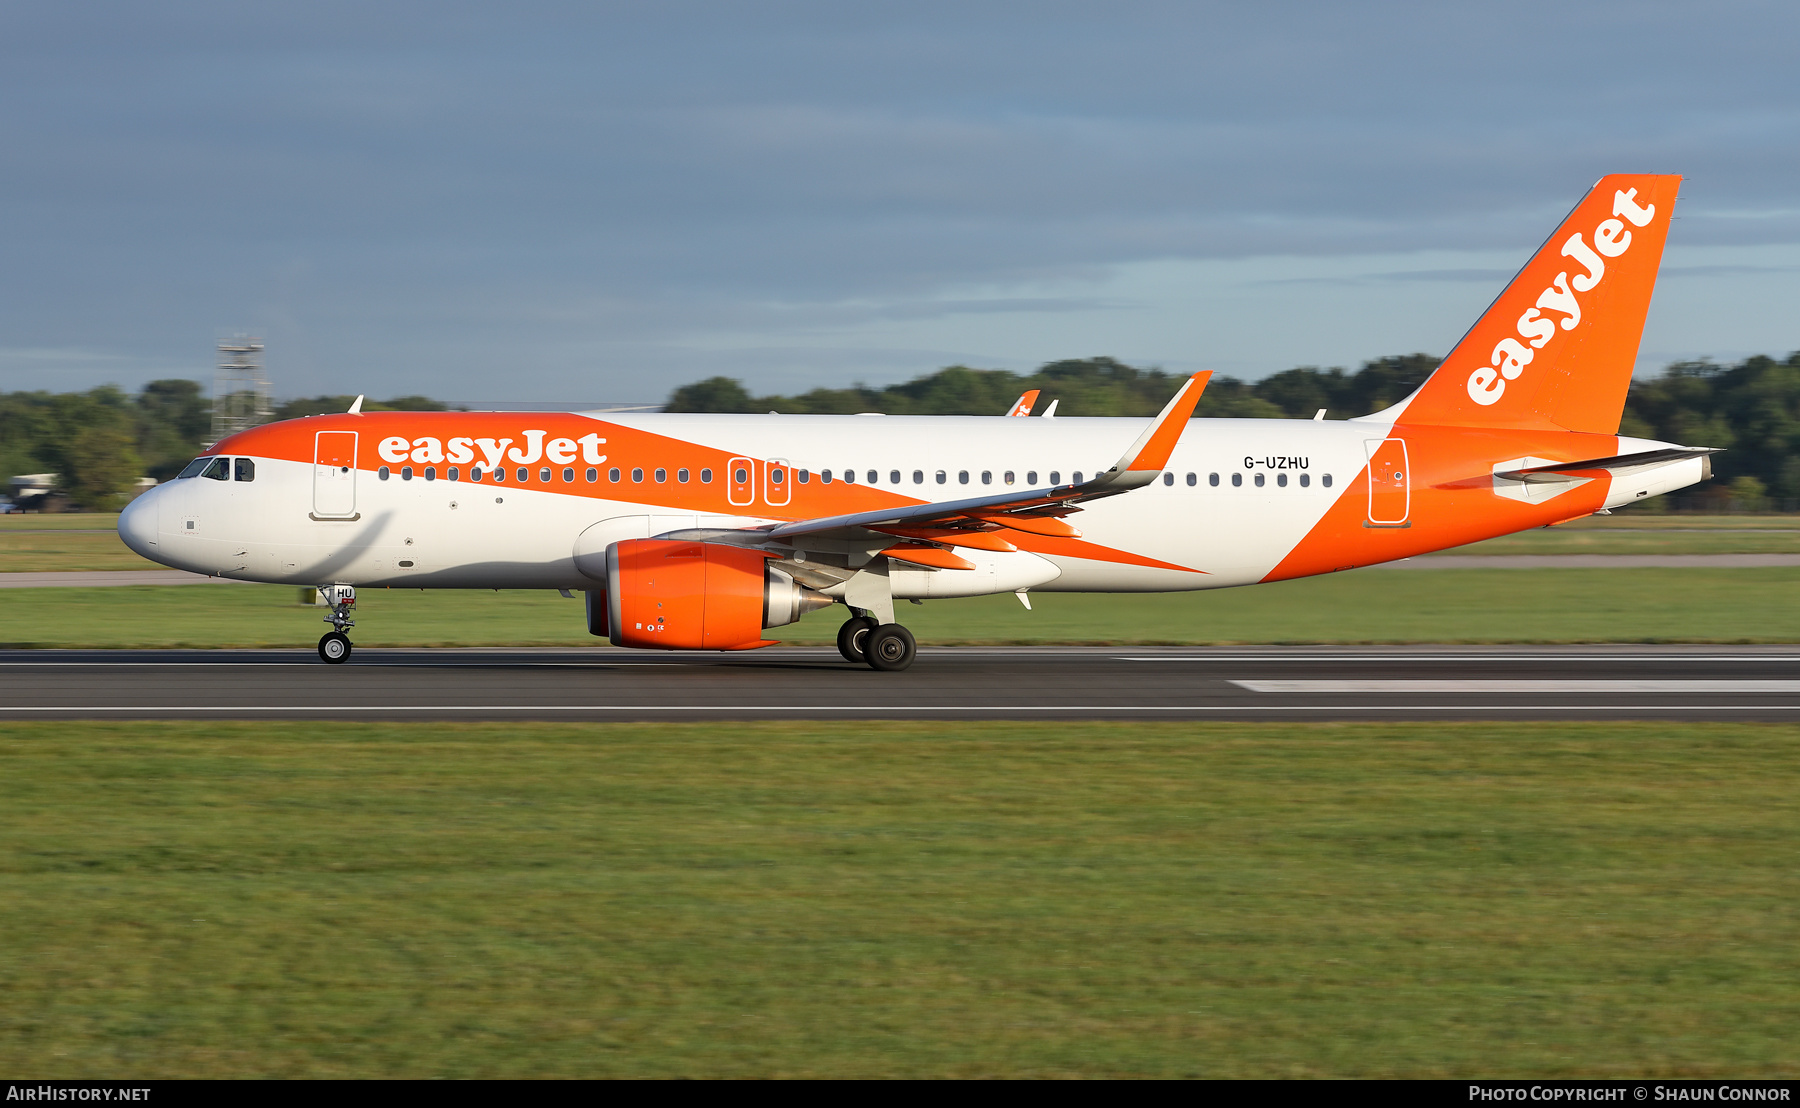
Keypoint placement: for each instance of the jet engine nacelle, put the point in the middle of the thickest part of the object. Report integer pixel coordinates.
(682, 595)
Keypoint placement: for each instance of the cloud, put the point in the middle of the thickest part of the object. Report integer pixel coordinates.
(425, 193)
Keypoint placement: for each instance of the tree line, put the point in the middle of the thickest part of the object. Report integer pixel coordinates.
(100, 441)
(1751, 409)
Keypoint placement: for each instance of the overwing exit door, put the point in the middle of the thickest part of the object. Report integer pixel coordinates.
(776, 479)
(334, 475)
(1390, 483)
(740, 478)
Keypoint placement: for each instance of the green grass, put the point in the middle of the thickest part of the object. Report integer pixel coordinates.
(47, 543)
(1616, 540)
(53, 551)
(59, 521)
(1571, 605)
(884, 899)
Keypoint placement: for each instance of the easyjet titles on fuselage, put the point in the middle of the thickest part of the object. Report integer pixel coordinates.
(428, 449)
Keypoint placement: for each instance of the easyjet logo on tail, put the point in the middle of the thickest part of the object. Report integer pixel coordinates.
(1535, 330)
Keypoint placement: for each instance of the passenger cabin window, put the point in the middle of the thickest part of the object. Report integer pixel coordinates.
(475, 474)
(850, 476)
(1194, 479)
(1281, 480)
(962, 476)
(1031, 477)
(874, 477)
(987, 476)
(705, 477)
(1009, 476)
(193, 468)
(593, 475)
(1168, 478)
(243, 469)
(825, 476)
(662, 476)
(1075, 478)
(893, 477)
(430, 473)
(1237, 479)
(740, 475)
(1259, 480)
(524, 475)
(637, 476)
(776, 475)
(613, 476)
(804, 475)
(1055, 477)
(218, 470)
(453, 475)
(918, 477)
(405, 473)
(942, 476)
(1305, 479)
(1325, 479)
(382, 473)
(1213, 480)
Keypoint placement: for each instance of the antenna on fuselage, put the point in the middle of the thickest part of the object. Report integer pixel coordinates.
(356, 405)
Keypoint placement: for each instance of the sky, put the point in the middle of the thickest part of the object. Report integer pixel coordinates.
(597, 203)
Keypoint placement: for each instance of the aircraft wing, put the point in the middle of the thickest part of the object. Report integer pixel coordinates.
(1031, 510)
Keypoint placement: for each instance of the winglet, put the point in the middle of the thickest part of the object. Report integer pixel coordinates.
(1150, 453)
(1022, 406)
(356, 406)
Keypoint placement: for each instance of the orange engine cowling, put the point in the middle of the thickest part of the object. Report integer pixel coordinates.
(678, 595)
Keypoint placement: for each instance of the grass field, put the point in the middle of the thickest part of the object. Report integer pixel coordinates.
(48, 543)
(869, 899)
(1376, 605)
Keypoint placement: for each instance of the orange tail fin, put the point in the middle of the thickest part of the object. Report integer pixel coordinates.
(1556, 350)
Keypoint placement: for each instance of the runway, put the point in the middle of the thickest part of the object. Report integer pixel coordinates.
(1291, 683)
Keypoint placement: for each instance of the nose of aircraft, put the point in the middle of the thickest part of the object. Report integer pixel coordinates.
(137, 524)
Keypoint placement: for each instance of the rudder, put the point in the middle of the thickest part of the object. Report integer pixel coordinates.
(1556, 350)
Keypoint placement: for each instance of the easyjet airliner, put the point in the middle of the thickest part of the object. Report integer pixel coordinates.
(703, 532)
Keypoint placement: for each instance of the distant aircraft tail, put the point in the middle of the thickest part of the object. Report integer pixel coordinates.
(1556, 350)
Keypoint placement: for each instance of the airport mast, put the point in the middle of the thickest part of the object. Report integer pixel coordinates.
(240, 397)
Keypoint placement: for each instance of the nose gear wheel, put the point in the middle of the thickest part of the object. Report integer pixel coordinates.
(334, 647)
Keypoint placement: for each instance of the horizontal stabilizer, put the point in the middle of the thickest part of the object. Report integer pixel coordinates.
(1615, 465)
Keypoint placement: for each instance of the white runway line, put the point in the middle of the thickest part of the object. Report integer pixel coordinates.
(1459, 686)
(904, 710)
(1622, 656)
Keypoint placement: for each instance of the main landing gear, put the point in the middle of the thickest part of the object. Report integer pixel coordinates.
(888, 647)
(334, 645)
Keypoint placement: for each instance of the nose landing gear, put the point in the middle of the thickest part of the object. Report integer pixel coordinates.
(334, 645)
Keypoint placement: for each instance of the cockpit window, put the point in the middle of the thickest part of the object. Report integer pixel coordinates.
(193, 468)
(219, 470)
(245, 469)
